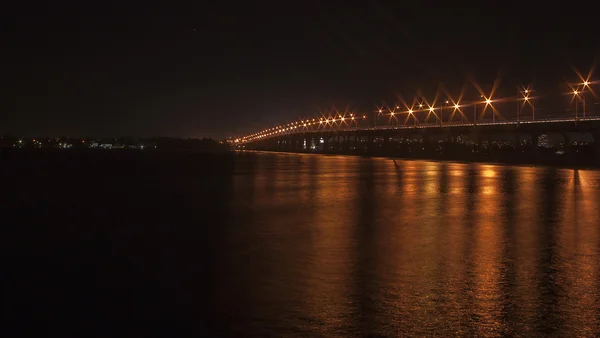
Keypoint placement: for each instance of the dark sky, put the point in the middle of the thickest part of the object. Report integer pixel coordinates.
(226, 68)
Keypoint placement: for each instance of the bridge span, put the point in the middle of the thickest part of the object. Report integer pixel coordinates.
(557, 140)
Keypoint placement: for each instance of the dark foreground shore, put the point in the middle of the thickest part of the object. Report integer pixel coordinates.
(86, 236)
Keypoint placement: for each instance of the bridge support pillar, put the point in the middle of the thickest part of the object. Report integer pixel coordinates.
(596, 137)
(371, 143)
(568, 146)
(363, 142)
(427, 144)
(535, 144)
(386, 143)
(479, 140)
(346, 143)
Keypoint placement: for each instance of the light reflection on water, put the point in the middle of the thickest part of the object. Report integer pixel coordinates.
(327, 245)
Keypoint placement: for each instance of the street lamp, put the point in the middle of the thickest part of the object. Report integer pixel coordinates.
(442, 112)
(575, 93)
(524, 96)
(457, 107)
(475, 111)
(487, 103)
(432, 110)
(377, 116)
(585, 84)
(410, 112)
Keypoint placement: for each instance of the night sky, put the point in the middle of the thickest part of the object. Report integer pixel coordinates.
(201, 69)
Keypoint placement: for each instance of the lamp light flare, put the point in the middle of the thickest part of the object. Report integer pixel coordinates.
(410, 111)
(488, 101)
(585, 83)
(431, 109)
(575, 92)
(456, 106)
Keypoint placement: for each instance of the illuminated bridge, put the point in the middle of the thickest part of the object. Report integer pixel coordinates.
(476, 131)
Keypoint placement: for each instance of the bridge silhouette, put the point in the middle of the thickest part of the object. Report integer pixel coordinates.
(427, 131)
(506, 140)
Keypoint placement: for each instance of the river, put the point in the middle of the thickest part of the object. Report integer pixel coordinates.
(315, 245)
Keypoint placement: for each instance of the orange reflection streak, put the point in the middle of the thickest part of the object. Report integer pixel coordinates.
(418, 248)
(526, 252)
(578, 243)
(381, 236)
(305, 171)
(588, 260)
(456, 238)
(432, 175)
(400, 254)
(489, 173)
(330, 259)
(262, 188)
(565, 235)
(432, 228)
(488, 250)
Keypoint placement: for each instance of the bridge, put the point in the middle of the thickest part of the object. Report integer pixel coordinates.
(573, 137)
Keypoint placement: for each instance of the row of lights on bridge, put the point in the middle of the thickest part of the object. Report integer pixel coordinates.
(292, 126)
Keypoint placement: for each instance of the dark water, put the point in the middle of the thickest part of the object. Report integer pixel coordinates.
(290, 245)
